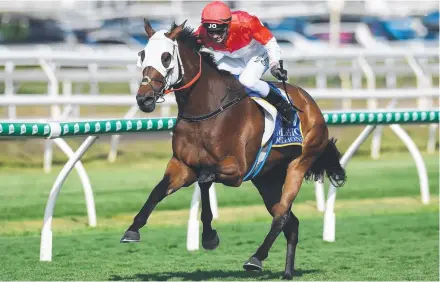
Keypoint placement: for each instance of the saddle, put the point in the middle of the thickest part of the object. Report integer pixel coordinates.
(276, 132)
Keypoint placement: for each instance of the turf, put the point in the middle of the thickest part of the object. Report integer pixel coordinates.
(123, 189)
(400, 246)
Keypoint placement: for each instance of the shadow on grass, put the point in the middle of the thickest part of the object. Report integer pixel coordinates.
(213, 274)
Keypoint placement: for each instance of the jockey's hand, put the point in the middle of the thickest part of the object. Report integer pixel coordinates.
(278, 73)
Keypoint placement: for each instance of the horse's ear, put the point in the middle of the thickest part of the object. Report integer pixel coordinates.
(148, 29)
(175, 32)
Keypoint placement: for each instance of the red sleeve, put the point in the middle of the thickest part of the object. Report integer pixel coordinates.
(259, 32)
(198, 31)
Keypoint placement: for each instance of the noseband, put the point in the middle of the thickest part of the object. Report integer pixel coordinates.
(157, 92)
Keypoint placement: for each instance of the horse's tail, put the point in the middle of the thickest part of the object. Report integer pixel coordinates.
(328, 161)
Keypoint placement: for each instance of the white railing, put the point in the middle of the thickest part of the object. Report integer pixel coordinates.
(92, 67)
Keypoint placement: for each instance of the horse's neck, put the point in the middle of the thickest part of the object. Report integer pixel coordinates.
(207, 93)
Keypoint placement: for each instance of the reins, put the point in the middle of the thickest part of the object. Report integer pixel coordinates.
(213, 113)
(192, 80)
(160, 93)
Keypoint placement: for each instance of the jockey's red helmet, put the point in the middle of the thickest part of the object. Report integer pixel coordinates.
(216, 12)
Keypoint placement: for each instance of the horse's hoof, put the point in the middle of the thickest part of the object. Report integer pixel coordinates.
(130, 237)
(287, 276)
(253, 264)
(212, 242)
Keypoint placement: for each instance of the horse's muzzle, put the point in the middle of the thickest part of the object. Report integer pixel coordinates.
(146, 104)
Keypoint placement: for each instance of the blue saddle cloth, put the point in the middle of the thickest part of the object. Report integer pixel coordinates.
(284, 135)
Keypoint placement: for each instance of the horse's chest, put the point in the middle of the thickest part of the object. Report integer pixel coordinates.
(196, 150)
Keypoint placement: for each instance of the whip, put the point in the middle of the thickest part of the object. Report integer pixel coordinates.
(285, 88)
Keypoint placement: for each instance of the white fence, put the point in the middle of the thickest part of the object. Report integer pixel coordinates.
(93, 67)
(62, 70)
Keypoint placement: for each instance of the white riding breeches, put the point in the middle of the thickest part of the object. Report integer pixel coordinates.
(249, 72)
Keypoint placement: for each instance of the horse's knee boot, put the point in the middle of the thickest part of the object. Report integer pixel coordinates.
(206, 177)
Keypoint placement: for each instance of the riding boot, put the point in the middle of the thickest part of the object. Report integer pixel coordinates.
(283, 107)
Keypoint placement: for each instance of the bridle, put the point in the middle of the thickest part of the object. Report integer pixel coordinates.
(165, 89)
(157, 92)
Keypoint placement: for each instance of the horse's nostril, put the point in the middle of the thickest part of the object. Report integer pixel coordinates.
(148, 101)
(140, 98)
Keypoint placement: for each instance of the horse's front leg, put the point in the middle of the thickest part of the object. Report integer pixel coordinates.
(210, 239)
(176, 176)
(314, 144)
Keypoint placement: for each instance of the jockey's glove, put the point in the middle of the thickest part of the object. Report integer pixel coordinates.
(278, 73)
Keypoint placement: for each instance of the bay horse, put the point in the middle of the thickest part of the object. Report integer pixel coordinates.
(217, 137)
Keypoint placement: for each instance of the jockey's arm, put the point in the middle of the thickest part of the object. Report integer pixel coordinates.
(197, 32)
(263, 35)
(201, 33)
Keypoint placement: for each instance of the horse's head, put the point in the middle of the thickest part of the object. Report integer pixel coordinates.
(160, 65)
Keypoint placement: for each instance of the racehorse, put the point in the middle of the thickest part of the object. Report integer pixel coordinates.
(218, 134)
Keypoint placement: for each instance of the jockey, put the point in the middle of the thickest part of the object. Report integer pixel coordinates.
(242, 45)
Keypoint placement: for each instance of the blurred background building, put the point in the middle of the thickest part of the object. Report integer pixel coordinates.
(299, 23)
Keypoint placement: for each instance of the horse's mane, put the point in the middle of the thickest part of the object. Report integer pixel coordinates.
(192, 41)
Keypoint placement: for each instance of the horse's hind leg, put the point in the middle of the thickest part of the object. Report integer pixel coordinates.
(314, 144)
(270, 188)
(291, 232)
(210, 239)
(176, 176)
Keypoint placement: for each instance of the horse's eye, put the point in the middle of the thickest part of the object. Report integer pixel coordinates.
(166, 59)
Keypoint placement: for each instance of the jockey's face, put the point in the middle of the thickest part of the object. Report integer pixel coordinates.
(217, 31)
(218, 36)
